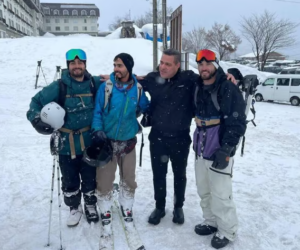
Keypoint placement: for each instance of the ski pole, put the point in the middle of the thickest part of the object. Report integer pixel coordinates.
(51, 200)
(59, 203)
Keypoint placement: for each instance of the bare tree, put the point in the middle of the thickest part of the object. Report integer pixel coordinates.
(222, 39)
(143, 19)
(117, 21)
(194, 40)
(266, 34)
(148, 16)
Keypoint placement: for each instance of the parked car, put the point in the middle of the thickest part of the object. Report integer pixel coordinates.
(272, 69)
(289, 70)
(280, 88)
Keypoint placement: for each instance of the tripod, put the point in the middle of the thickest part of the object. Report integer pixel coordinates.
(39, 67)
(57, 73)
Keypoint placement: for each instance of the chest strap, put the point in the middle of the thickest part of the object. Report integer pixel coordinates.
(205, 123)
(71, 138)
(80, 96)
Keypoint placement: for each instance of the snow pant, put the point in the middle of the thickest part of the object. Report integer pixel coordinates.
(106, 177)
(75, 172)
(215, 190)
(163, 148)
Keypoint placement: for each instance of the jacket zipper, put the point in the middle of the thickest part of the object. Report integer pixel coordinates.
(121, 117)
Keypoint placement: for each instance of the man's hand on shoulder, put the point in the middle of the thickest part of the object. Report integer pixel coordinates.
(104, 78)
(231, 78)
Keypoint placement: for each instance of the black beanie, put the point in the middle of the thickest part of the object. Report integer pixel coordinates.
(127, 60)
(68, 62)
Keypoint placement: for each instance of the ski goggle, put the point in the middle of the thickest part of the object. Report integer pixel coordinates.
(73, 53)
(207, 54)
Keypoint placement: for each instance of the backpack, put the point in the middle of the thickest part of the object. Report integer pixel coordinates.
(63, 91)
(247, 85)
(108, 93)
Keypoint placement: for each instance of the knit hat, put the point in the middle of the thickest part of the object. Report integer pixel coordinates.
(127, 60)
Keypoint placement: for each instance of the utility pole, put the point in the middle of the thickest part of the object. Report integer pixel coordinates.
(164, 17)
(154, 35)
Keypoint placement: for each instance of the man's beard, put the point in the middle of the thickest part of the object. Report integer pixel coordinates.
(80, 74)
(210, 76)
(121, 75)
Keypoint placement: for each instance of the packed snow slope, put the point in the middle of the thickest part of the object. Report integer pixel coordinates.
(265, 181)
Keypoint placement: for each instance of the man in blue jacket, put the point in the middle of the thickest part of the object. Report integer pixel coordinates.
(117, 103)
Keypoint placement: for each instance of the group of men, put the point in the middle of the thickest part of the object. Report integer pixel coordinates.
(110, 118)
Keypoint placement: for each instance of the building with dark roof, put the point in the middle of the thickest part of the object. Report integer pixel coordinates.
(66, 19)
(20, 18)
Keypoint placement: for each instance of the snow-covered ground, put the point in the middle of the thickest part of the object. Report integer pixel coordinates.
(266, 180)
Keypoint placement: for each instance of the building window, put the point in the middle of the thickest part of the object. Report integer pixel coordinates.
(56, 12)
(75, 21)
(85, 21)
(57, 21)
(84, 28)
(93, 13)
(65, 12)
(1, 15)
(75, 28)
(47, 20)
(66, 20)
(74, 13)
(48, 28)
(57, 28)
(67, 28)
(83, 13)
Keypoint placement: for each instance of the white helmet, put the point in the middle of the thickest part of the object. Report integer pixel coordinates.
(53, 115)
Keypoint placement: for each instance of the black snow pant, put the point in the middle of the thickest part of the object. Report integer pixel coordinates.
(163, 148)
(75, 172)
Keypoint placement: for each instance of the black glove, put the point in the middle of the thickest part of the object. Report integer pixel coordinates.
(98, 138)
(41, 127)
(222, 157)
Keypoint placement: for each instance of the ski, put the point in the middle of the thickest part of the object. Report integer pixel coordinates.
(106, 232)
(132, 236)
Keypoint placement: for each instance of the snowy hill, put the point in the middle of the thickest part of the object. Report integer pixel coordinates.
(266, 180)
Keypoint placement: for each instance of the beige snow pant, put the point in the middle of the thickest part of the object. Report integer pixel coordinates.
(215, 190)
(106, 176)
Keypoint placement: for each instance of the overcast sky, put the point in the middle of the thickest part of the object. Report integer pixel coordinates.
(203, 13)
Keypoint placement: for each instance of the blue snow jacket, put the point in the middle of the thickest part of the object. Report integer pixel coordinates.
(118, 120)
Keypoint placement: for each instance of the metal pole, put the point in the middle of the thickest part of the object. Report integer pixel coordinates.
(154, 35)
(164, 14)
(51, 200)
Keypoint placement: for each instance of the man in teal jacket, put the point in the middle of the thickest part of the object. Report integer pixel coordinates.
(117, 103)
(78, 103)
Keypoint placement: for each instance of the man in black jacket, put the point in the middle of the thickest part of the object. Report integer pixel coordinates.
(172, 110)
(221, 121)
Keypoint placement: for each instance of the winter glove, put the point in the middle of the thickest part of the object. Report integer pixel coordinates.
(98, 138)
(41, 127)
(222, 157)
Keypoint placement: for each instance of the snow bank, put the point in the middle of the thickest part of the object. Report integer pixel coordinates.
(266, 186)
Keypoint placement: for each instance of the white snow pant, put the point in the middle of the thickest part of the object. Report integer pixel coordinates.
(214, 187)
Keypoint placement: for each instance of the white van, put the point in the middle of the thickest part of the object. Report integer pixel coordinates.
(280, 88)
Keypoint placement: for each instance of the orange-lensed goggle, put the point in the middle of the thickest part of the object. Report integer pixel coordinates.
(207, 54)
